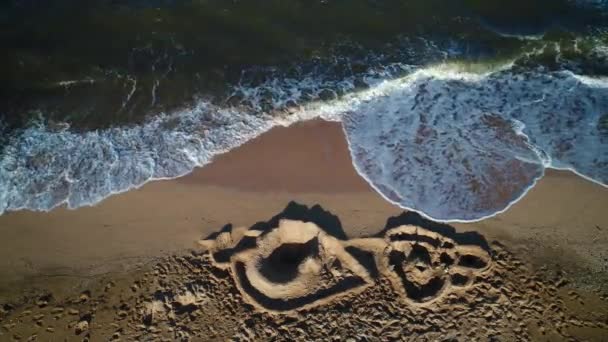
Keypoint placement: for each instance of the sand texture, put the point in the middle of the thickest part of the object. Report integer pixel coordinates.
(280, 239)
(422, 282)
(562, 220)
(298, 265)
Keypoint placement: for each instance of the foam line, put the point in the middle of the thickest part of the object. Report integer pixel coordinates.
(500, 131)
(451, 145)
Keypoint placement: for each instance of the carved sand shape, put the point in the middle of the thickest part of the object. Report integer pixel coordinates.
(294, 266)
(297, 265)
(424, 266)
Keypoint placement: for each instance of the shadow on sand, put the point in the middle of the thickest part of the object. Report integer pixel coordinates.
(415, 219)
(282, 265)
(327, 221)
(331, 225)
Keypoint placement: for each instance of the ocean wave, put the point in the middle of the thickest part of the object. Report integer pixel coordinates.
(45, 166)
(452, 145)
(42, 168)
(460, 147)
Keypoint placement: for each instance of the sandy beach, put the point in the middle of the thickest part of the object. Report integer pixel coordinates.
(357, 171)
(247, 185)
(560, 227)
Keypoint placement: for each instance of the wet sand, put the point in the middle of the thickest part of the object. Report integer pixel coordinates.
(561, 221)
(162, 262)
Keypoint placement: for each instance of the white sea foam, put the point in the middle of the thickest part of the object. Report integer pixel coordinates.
(451, 145)
(460, 147)
(41, 168)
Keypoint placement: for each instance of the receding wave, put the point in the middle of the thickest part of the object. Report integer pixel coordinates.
(44, 167)
(461, 147)
(450, 140)
(449, 144)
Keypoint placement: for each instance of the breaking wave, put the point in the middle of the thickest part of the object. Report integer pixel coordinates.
(462, 147)
(453, 145)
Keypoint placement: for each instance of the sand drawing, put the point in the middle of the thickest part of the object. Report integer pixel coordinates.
(298, 277)
(296, 265)
(424, 265)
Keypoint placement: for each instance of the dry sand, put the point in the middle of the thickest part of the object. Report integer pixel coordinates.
(287, 280)
(249, 184)
(560, 228)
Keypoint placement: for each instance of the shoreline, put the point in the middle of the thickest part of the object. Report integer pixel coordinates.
(555, 222)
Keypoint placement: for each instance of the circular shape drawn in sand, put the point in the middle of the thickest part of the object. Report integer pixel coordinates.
(424, 266)
(296, 265)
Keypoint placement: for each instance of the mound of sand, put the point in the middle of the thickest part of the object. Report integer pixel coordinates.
(297, 265)
(293, 266)
(424, 265)
(414, 281)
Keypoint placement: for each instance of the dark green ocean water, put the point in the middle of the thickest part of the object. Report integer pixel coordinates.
(100, 96)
